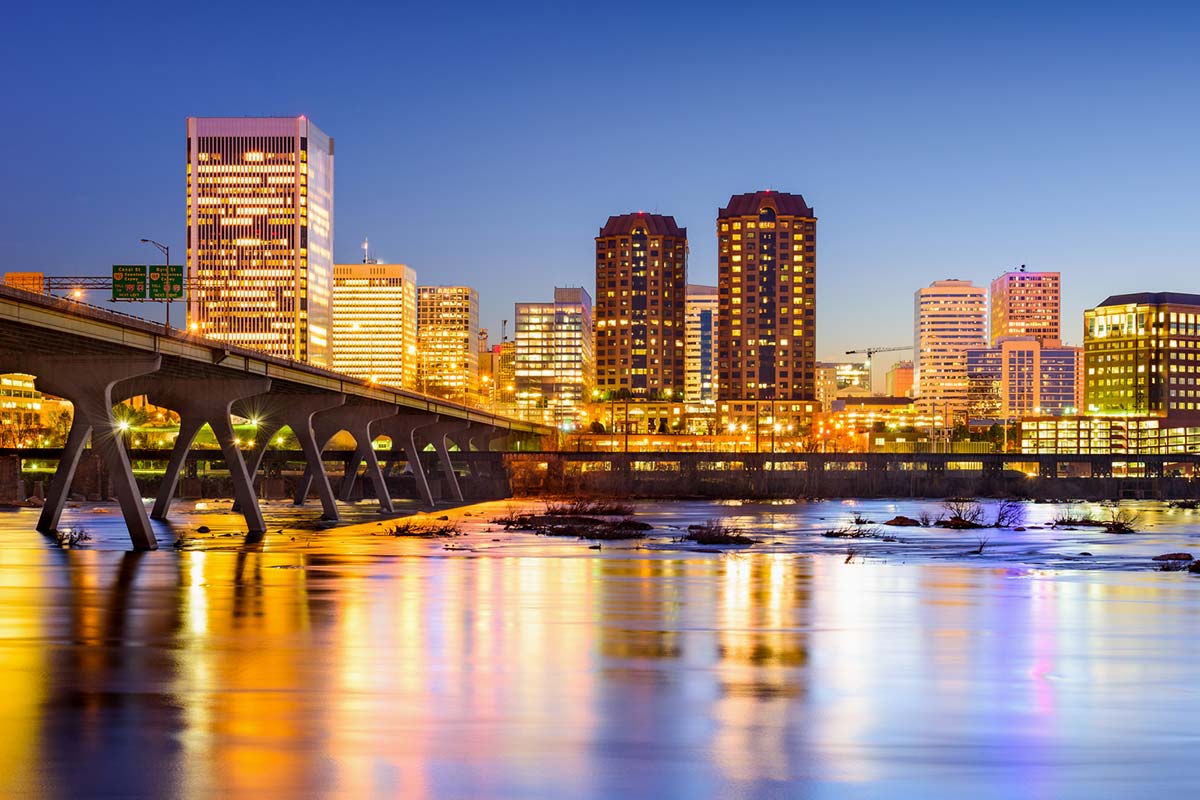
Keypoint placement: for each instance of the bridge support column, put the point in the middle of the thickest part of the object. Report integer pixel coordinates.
(437, 435)
(294, 411)
(208, 400)
(88, 383)
(356, 419)
(479, 437)
(402, 429)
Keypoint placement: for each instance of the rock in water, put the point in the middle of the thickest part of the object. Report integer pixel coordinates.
(1174, 557)
(903, 522)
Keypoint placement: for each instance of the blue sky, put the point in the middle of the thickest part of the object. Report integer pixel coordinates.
(486, 145)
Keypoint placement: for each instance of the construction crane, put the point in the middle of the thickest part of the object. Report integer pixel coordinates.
(871, 351)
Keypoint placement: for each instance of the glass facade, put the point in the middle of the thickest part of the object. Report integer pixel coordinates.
(700, 325)
(448, 342)
(554, 360)
(260, 234)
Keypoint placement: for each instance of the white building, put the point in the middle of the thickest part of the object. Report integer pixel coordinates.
(555, 363)
(950, 318)
(700, 336)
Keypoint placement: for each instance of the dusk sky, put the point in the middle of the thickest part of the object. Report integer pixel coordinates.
(487, 145)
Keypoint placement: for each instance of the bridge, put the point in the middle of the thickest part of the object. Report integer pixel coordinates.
(96, 358)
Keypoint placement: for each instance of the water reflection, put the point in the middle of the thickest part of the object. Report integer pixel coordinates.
(417, 673)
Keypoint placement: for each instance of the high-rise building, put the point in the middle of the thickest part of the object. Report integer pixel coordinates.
(1027, 304)
(899, 381)
(448, 342)
(641, 279)
(950, 319)
(260, 234)
(1142, 355)
(1019, 377)
(555, 360)
(505, 355)
(700, 325)
(766, 327)
(826, 386)
(375, 322)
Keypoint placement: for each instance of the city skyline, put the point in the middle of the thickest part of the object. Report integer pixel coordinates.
(1014, 169)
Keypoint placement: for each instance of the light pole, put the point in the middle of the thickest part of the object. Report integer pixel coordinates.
(166, 251)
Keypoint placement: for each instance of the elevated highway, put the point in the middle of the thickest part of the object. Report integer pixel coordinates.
(96, 358)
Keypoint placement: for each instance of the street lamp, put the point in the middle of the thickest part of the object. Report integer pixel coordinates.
(166, 251)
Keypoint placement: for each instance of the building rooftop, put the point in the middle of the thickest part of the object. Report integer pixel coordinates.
(1152, 298)
(656, 225)
(744, 205)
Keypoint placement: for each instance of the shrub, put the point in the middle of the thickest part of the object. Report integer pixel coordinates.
(1009, 514)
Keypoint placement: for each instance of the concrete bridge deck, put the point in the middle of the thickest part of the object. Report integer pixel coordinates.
(96, 358)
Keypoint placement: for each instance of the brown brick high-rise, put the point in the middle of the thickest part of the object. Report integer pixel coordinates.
(767, 318)
(641, 285)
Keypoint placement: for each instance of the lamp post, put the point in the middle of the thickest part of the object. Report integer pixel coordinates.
(166, 251)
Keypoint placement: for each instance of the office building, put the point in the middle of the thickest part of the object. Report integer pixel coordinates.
(1027, 304)
(260, 234)
(1019, 377)
(375, 322)
(1142, 355)
(899, 380)
(766, 327)
(700, 324)
(448, 342)
(950, 319)
(641, 280)
(554, 369)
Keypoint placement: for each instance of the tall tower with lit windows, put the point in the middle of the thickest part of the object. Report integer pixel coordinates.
(767, 316)
(641, 287)
(260, 234)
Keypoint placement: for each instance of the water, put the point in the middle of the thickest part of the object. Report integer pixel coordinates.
(349, 663)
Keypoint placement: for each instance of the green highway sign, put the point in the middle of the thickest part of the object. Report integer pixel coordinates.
(129, 282)
(166, 282)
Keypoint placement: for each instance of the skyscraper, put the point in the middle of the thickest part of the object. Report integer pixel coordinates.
(448, 341)
(951, 318)
(554, 365)
(1018, 377)
(1027, 304)
(766, 327)
(641, 280)
(1142, 355)
(375, 322)
(700, 325)
(260, 234)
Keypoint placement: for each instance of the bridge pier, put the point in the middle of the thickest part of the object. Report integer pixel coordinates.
(402, 429)
(437, 435)
(295, 411)
(356, 419)
(208, 400)
(88, 381)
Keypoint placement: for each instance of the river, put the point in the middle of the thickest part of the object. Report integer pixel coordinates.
(498, 664)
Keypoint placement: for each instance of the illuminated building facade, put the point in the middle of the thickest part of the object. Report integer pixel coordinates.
(24, 411)
(700, 326)
(29, 281)
(1019, 377)
(1027, 304)
(448, 342)
(766, 327)
(554, 368)
(1142, 355)
(951, 318)
(641, 283)
(375, 322)
(1109, 435)
(260, 234)
(826, 386)
(899, 381)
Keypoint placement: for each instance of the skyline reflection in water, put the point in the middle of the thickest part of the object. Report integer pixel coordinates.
(419, 673)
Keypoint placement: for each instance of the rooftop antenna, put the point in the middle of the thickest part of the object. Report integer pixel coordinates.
(366, 250)
(504, 330)
(1022, 268)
